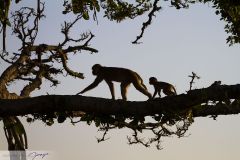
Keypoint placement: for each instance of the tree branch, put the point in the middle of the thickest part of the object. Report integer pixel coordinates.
(175, 104)
(148, 22)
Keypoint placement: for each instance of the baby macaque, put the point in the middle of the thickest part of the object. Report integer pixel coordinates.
(167, 88)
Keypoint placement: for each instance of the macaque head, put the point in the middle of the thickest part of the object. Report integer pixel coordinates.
(152, 80)
(95, 69)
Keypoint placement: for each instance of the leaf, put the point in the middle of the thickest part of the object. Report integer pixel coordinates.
(8, 23)
(4, 8)
(97, 122)
(85, 15)
(77, 6)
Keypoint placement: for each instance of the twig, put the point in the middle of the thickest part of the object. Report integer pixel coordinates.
(193, 76)
(148, 22)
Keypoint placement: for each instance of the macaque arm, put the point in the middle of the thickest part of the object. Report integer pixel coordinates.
(91, 86)
(155, 93)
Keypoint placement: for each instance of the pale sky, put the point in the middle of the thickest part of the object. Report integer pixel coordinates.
(177, 43)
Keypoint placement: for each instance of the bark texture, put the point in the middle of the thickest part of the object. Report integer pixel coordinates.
(223, 99)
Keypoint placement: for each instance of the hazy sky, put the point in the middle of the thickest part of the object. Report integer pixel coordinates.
(177, 43)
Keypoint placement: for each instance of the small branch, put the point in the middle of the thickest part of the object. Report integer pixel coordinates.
(66, 29)
(54, 81)
(105, 129)
(79, 48)
(193, 76)
(157, 138)
(3, 54)
(148, 22)
(69, 71)
(137, 140)
(178, 4)
(35, 83)
(25, 32)
(25, 79)
(85, 46)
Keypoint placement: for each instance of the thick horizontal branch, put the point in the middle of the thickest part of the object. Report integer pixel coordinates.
(56, 103)
(215, 110)
(45, 47)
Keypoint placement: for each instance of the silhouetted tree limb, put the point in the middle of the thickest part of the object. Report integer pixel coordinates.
(155, 8)
(58, 103)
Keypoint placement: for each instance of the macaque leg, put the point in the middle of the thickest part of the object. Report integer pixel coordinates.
(111, 87)
(159, 93)
(169, 92)
(124, 87)
(144, 86)
(142, 89)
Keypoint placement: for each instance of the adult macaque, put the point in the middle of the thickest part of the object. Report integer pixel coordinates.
(167, 88)
(122, 75)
